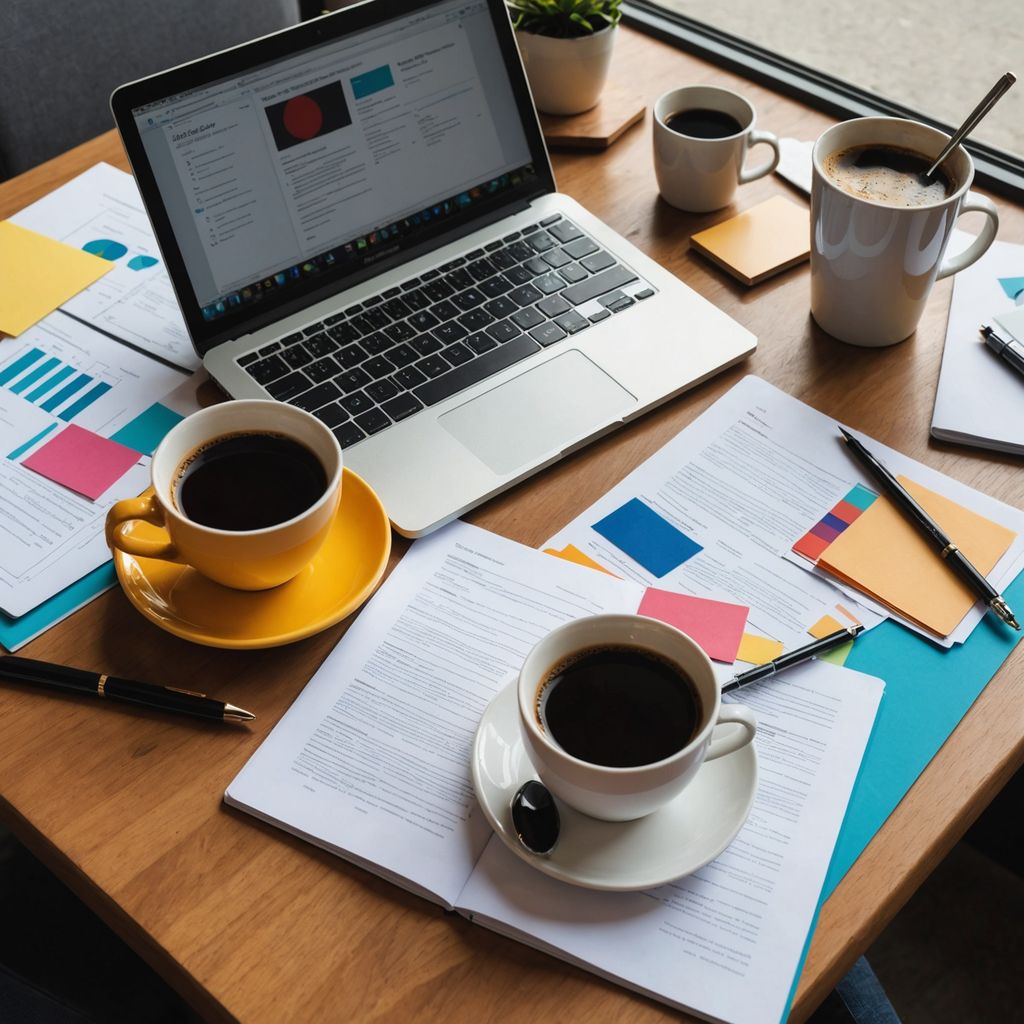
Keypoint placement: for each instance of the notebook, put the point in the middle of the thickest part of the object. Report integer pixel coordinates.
(359, 218)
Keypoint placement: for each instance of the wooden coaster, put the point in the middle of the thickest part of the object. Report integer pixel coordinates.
(597, 128)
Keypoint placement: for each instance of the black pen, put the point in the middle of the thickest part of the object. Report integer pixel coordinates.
(797, 657)
(1011, 351)
(931, 531)
(125, 691)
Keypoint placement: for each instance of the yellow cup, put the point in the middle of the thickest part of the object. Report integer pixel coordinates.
(243, 559)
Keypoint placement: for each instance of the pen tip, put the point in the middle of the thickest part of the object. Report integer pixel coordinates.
(846, 434)
(233, 714)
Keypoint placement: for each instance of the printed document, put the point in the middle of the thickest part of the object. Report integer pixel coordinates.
(372, 763)
(746, 480)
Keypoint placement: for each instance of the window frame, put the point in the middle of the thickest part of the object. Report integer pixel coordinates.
(995, 169)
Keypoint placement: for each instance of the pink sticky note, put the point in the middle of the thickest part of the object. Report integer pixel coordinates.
(715, 625)
(82, 461)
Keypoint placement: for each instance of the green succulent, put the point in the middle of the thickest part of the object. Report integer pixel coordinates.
(564, 19)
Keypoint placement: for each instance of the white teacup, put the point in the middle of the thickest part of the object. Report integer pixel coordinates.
(622, 794)
(698, 174)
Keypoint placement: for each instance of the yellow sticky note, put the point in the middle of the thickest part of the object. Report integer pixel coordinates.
(824, 626)
(37, 274)
(571, 553)
(882, 554)
(756, 650)
(764, 240)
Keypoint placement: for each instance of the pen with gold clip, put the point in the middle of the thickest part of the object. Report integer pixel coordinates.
(124, 691)
(931, 531)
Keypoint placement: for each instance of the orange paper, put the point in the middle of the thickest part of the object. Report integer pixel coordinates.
(882, 554)
(825, 626)
(571, 553)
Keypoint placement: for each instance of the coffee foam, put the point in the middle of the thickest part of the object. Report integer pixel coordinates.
(891, 185)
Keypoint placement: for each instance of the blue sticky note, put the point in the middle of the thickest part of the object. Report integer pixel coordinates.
(1012, 286)
(641, 533)
(147, 430)
(17, 631)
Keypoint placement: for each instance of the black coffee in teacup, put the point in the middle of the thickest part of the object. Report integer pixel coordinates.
(704, 123)
(888, 174)
(619, 706)
(248, 481)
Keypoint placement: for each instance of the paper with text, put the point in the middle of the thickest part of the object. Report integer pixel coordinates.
(725, 942)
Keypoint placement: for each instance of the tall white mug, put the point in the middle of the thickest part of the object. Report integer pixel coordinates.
(872, 264)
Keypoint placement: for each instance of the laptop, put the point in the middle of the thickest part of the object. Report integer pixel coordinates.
(359, 218)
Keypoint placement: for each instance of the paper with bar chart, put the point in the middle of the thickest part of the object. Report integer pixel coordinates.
(62, 374)
(101, 212)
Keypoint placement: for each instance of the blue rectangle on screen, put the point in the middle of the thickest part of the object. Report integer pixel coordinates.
(373, 81)
(20, 364)
(87, 399)
(147, 430)
(66, 392)
(648, 539)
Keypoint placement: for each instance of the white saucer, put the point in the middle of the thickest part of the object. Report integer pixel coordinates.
(675, 841)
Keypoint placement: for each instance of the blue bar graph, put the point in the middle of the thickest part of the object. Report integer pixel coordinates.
(20, 364)
(87, 399)
(21, 449)
(66, 392)
(50, 383)
(30, 378)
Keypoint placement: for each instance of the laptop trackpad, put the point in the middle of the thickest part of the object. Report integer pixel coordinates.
(538, 413)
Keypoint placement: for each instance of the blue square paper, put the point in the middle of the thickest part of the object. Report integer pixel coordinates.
(649, 540)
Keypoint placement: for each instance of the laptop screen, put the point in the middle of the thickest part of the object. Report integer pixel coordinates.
(336, 156)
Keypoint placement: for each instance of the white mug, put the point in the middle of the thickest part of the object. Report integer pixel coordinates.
(873, 265)
(243, 559)
(622, 794)
(699, 175)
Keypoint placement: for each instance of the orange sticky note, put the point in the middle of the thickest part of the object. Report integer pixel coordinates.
(571, 553)
(764, 240)
(756, 650)
(37, 274)
(882, 554)
(824, 626)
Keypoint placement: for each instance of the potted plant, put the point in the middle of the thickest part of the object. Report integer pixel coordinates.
(566, 46)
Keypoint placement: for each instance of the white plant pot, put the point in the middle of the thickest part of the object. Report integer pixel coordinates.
(566, 75)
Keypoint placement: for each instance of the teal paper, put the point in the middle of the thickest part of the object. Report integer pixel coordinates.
(928, 689)
(15, 632)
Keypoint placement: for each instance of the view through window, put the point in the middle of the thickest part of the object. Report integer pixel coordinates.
(938, 57)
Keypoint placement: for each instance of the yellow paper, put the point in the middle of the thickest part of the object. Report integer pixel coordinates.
(824, 627)
(571, 553)
(882, 554)
(37, 274)
(756, 650)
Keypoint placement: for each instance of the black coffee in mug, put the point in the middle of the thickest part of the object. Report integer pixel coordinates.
(248, 481)
(704, 124)
(889, 175)
(619, 706)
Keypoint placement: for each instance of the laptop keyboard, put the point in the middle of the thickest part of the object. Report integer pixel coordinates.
(412, 346)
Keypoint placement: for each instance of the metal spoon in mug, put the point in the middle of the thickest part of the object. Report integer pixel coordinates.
(971, 121)
(535, 818)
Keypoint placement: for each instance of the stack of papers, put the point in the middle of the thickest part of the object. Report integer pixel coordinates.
(980, 398)
(86, 394)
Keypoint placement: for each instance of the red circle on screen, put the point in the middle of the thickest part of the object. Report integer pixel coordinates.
(302, 117)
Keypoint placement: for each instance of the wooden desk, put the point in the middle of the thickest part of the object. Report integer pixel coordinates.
(247, 922)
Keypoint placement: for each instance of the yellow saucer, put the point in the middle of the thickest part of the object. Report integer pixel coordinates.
(334, 584)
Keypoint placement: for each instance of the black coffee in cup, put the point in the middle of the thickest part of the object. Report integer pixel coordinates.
(619, 706)
(248, 481)
(889, 175)
(704, 123)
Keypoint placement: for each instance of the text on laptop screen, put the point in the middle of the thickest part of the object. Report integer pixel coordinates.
(336, 156)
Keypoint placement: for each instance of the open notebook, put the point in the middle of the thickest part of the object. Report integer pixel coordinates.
(372, 763)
